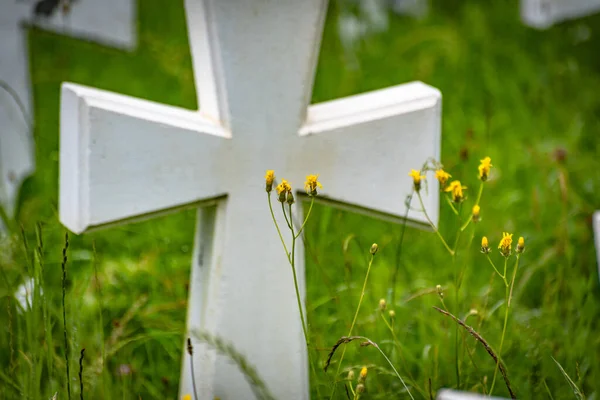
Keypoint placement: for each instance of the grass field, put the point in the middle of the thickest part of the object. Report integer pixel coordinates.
(528, 99)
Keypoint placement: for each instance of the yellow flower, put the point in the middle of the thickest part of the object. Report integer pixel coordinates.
(269, 178)
(363, 374)
(187, 397)
(476, 210)
(520, 245)
(283, 189)
(417, 177)
(505, 244)
(457, 191)
(485, 246)
(484, 168)
(442, 176)
(311, 184)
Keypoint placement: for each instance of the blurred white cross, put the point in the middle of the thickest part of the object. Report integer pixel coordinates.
(254, 64)
(111, 22)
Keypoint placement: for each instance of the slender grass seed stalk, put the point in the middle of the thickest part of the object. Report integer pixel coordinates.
(64, 310)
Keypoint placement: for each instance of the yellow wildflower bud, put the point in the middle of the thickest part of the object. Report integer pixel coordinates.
(311, 184)
(520, 245)
(484, 168)
(351, 375)
(485, 246)
(457, 191)
(360, 388)
(505, 244)
(283, 189)
(442, 176)
(417, 178)
(476, 210)
(392, 314)
(374, 248)
(440, 291)
(269, 178)
(290, 198)
(363, 374)
(187, 397)
(382, 304)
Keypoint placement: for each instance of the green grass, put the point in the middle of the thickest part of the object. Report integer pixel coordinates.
(512, 93)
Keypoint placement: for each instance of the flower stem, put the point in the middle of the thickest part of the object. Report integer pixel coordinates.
(312, 201)
(362, 295)
(504, 328)
(435, 229)
(287, 253)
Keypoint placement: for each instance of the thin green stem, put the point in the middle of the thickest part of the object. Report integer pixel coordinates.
(312, 201)
(287, 221)
(496, 269)
(287, 253)
(435, 229)
(300, 308)
(451, 205)
(503, 329)
(362, 295)
(512, 282)
(479, 194)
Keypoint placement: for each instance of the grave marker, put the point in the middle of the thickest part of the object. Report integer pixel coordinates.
(545, 13)
(254, 63)
(110, 22)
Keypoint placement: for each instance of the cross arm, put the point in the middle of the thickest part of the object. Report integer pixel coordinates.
(365, 145)
(122, 157)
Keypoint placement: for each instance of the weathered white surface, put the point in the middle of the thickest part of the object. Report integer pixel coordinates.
(449, 394)
(596, 222)
(111, 22)
(545, 13)
(254, 64)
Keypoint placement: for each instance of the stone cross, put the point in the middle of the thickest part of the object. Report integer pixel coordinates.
(254, 63)
(111, 22)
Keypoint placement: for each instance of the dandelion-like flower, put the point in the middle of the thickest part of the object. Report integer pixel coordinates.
(283, 189)
(505, 244)
(457, 191)
(417, 178)
(187, 397)
(442, 176)
(363, 374)
(520, 245)
(484, 168)
(269, 178)
(311, 184)
(476, 210)
(485, 245)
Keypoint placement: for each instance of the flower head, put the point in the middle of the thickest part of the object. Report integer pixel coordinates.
(417, 178)
(269, 178)
(351, 375)
(476, 210)
(382, 304)
(187, 397)
(392, 314)
(485, 245)
(520, 245)
(442, 176)
(363, 374)
(505, 244)
(311, 184)
(484, 168)
(457, 191)
(283, 189)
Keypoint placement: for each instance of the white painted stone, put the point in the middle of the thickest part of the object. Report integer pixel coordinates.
(596, 222)
(449, 394)
(254, 64)
(111, 22)
(545, 13)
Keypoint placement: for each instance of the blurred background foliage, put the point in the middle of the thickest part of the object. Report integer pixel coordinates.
(526, 98)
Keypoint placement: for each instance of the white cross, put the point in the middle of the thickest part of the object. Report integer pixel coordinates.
(545, 13)
(110, 22)
(254, 63)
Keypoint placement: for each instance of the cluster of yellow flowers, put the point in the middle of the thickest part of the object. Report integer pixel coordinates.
(455, 188)
(505, 245)
(284, 189)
